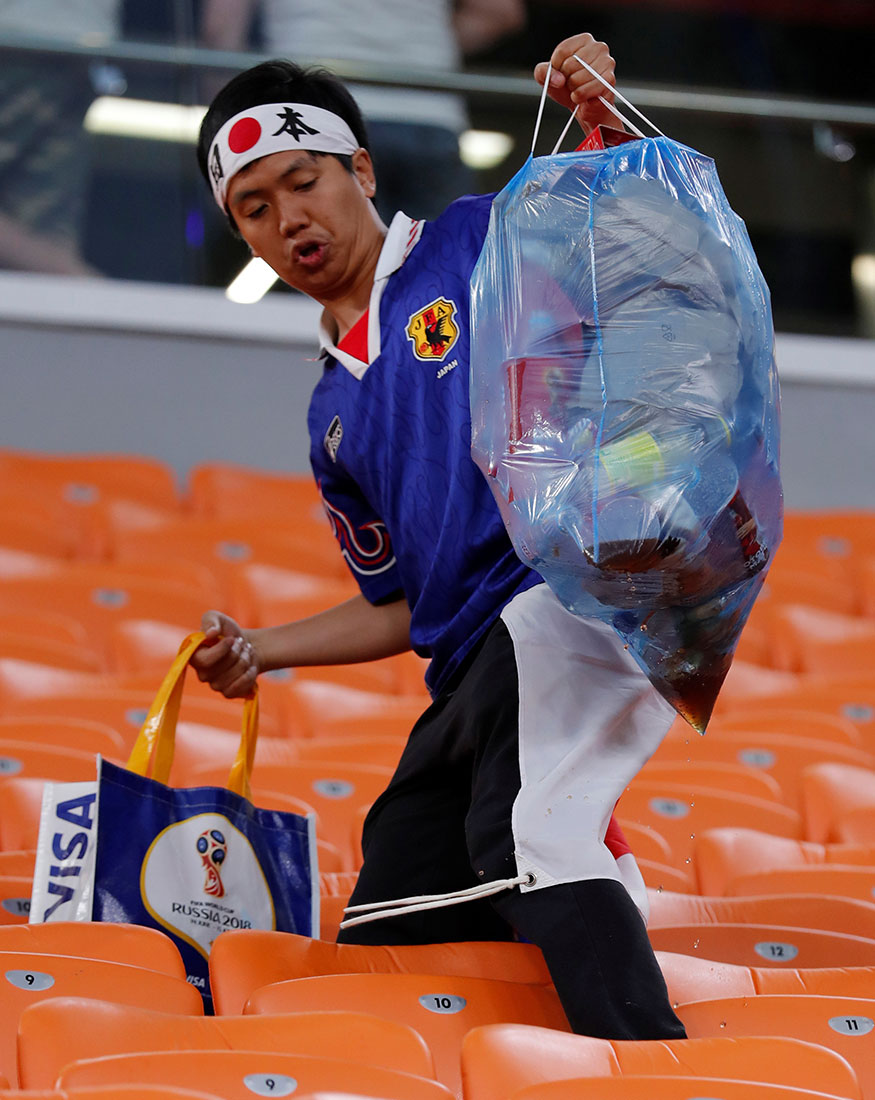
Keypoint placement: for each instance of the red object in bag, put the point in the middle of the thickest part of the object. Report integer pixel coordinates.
(604, 137)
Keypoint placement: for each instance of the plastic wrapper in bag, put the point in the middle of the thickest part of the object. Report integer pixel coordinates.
(624, 401)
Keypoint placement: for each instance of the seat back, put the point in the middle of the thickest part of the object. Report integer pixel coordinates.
(840, 881)
(238, 1074)
(442, 1008)
(65, 733)
(765, 944)
(835, 914)
(845, 1025)
(109, 1092)
(56, 1032)
(681, 814)
(243, 961)
(781, 756)
(29, 978)
(690, 978)
(20, 806)
(830, 791)
(500, 1059)
(664, 1088)
(721, 855)
(131, 944)
(46, 761)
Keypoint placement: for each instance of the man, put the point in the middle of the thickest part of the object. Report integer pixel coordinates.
(501, 802)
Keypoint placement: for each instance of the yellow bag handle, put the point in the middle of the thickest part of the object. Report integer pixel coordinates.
(152, 753)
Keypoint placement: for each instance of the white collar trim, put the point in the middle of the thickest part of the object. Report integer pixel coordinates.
(401, 239)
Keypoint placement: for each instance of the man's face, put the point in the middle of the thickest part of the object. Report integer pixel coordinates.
(308, 218)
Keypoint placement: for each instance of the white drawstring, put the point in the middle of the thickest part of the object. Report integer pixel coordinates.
(610, 106)
(403, 906)
(619, 96)
(541, 106)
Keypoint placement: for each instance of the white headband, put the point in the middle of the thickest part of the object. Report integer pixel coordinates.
(274, 128)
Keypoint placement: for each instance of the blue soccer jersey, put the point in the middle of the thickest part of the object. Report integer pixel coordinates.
(391, 445)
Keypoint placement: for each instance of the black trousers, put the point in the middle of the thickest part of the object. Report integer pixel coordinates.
(444, 824)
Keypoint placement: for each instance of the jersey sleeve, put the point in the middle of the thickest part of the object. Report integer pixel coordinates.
(362, 536)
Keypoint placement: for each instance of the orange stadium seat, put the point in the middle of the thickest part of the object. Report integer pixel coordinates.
(15, 891)
(45, 761)
(829, 792)
(43, 625)
(664, 876)
(835, 914)
(855, 826)
(793, 579)
(851, 698)
(725, 854)
(866, 586)
(18, 564)
(77, 489)
(240, 963)
(220, 490)
(330, 708)
(64, 733)
(500, 1059)
(99, 596)
(57, 654)
(265, 594)
(54, 1032)
(747, 682)
(341, 884)
(382, 751)
(765, 944)
(131, 944)
(689, 978)
(840, 881)
(681, 814)
(21, 682)
(237, 1074)
(845, 1025)
(86, 477)
(33, 532)
(713, 775)
(17, 863)
(754, 719)
(225, 545)
(646, 842)
(779, 756)
(814, 641)
(331, 914)
(663, 1088)
(440, 1007)
(34, 977)
(125, 708)
(110, 1092)
(20, 809)
(830, 541)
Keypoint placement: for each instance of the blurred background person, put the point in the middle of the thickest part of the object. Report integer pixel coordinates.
(44, 151)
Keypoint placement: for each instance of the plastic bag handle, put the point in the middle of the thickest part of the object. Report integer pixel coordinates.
(610, 106)
(153, 750)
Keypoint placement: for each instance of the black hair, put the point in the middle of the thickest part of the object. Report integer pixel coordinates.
(281, 81)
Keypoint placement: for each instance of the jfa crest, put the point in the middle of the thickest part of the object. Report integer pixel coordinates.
(433, 330)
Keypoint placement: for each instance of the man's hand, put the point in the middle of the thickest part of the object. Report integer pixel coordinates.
(573, 86)
(226, 659)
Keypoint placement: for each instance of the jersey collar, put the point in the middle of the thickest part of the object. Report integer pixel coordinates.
(401, 239)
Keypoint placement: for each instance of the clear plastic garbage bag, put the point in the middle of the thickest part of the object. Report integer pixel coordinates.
(624, 401)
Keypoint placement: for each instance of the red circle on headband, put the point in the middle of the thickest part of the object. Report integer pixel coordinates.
(244, 134)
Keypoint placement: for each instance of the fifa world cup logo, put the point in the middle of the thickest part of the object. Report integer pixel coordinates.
(213, 849)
